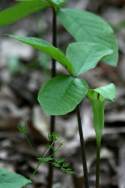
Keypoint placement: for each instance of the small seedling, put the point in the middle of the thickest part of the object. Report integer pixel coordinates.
(94, 42)
(47, 158)
(23, 129)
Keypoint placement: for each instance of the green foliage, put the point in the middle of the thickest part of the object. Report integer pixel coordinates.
(108, 92)
(97, 98)
(85, 55)
(87, 27)
(44, 159)
(21, 10)
(53, 137)
(62, 94)
(57, 3)
(46, 47)
(12, 180)
(80, 56)
(95, 42)
(62, 165)
(58, 163)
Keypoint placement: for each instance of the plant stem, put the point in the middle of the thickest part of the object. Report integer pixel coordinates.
(98, 166)
(82, 142)
(54, 40)
(53, 74)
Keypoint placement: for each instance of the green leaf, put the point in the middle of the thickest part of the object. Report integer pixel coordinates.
(21, 10)
(85, 55)
(57, 3)
(12, 180)
(87, 27)
(60, 161)
(56, 165)
(45, 159)
(108, 91)
(47, 48)
(62, 94)
(53, 136)
(63, 166)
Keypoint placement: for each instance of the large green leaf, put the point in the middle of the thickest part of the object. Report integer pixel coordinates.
(62, 94)
(85, 55)
(87, 27)
(46, 47)
(12, 180)
(21, 10)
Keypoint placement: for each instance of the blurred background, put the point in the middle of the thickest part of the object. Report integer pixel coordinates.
(22, 72)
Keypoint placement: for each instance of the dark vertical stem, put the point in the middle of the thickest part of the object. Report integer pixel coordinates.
(83, 155)
(54, 40)
(98, 166)
(53, 73)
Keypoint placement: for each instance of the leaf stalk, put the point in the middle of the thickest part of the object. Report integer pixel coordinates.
(98, 147)
(83, 149)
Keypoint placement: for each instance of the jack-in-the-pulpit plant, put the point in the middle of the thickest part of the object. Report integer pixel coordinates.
(95, 42)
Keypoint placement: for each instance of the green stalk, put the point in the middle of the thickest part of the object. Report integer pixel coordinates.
(98, 121)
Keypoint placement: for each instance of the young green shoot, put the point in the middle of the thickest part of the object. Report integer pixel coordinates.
(48, 158)
(97, 99)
